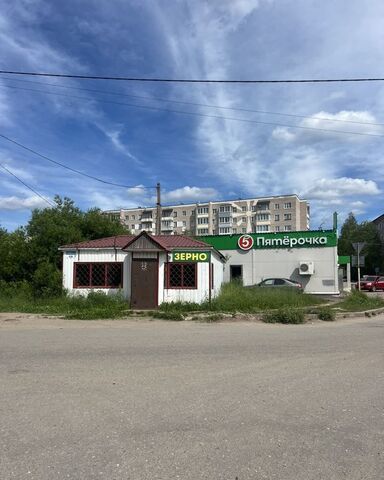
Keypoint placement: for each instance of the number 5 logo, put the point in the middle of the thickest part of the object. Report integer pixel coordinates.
(245, 242)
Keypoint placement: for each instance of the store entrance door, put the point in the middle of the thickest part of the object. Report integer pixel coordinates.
(144, 281)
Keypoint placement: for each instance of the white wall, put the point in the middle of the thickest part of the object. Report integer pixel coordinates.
(96, 255)
(197, 295)
(165, 295)
(261, 264)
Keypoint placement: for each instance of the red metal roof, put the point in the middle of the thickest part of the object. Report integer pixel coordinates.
(168, 242)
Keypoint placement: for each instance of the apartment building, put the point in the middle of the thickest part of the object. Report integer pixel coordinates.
(283, 213)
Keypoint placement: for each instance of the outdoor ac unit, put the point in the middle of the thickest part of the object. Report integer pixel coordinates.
(307, 268)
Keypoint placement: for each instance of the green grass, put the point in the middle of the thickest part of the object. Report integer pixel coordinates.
(358, 301)
(326, 314)
(285, 315)
(236, 298)
(95, 306)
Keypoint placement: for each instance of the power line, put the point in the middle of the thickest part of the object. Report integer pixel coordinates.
(196, 114)
(28, 186)
(189, 80)
(180, 102)
(70, 168)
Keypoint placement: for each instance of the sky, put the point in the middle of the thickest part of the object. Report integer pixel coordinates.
(200, 141)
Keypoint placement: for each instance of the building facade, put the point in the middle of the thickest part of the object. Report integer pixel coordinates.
(308, 257)
(147, 270)
(379, 222)
(255, 215)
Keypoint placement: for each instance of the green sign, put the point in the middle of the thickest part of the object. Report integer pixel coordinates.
(191, 256)
(344, 259)
(287, 240)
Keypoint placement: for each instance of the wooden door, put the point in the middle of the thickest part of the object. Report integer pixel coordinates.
(144, 281)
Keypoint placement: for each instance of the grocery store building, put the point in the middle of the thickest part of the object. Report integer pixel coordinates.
(309, 257)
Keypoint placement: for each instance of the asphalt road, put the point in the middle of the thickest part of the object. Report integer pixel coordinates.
(161, 400)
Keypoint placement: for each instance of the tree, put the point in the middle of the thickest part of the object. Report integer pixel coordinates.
(348, 235)
(31, 253)
(353, 232)
(14, 255)
(65, 223)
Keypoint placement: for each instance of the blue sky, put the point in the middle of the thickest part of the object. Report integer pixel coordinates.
(195, 157)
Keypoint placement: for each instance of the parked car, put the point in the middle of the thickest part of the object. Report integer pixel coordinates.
(371, 283)
(280, 282)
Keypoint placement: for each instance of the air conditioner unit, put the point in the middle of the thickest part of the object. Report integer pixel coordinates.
(307, 268)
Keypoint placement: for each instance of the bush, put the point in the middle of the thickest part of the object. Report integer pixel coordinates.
(176, 316)
(359, 301)
(326, 314)
(285, 315)
(46, 280)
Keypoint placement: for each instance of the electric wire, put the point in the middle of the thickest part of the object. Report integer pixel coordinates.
(181, 102)
(196, 114)
(189, 80)
(28, 186)
(73, 169)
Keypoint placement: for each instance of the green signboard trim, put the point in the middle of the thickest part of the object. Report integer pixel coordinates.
(278, 240)
(344, 259)
(191, 256)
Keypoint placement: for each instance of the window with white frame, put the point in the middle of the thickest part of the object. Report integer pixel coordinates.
(244, 219)
(244, 230)
(184, 213)
(203, 231)
(277, 206)
(225, 220)
(262, 217)
(225, 208)
(287, 205)
(277, 228)
(287, 228)
(243, 209)
(262, 228)
(287, 216)
(202, 210)
(202, 221)
(224, 230)
(277, 217)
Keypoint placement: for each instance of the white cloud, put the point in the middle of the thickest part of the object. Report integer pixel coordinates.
(138, 196)
(190, 194)
(114, 137)
(325, 125)
(18, 203)
(331, 189)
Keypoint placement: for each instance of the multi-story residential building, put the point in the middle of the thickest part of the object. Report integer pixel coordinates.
(379, 222)
(283, 213)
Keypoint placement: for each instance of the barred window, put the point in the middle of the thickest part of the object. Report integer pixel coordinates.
(182, 275)
(98, 275)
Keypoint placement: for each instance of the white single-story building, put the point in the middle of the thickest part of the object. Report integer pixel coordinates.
(148, 270)
(309, 257)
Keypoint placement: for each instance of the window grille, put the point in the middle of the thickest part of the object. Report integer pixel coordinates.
(98, 275)
(182, 275)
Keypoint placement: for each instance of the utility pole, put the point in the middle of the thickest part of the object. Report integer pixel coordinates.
(358, 265)
(158, 209)
(358, 246)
